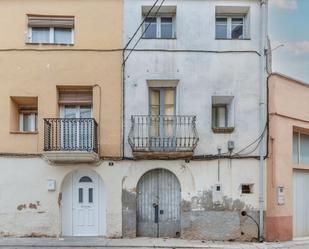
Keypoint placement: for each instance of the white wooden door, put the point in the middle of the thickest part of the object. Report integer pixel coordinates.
(85, 204)
(301, 204)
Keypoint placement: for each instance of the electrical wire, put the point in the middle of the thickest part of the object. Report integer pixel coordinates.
(258, 140)
(131, 50)
(128, 43)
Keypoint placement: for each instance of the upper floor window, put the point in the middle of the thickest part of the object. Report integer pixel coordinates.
(232, 22)
(230, 28)
(222, 114)
(162, 25)
(28, 119)
(24, 114)
(50, 30)
(300, 148)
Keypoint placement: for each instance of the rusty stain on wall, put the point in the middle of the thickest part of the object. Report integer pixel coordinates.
(30, 206)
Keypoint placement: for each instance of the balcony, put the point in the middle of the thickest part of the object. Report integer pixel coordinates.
(163, 137)
(70, 140)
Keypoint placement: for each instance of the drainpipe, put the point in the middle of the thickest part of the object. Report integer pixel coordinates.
(262, 110)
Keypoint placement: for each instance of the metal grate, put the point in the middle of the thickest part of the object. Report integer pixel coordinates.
(70, 134)
(163, 133)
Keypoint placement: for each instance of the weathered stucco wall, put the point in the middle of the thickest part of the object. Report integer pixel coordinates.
(36, 70)
(285, 115)
(201, 218)
(201, 74)
(28, 208)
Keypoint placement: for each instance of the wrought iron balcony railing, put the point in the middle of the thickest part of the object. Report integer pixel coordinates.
(164, 133)
(70, 134)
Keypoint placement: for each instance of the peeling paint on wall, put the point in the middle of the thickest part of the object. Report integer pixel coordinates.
(204, 219)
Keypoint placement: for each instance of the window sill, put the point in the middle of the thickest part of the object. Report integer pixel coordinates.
(230, 39)
(53, 44)
(223, 129)
(24, 132)
(144, 38)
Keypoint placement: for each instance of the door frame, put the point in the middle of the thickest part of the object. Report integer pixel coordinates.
(77, 114)
(66, 203)
(162, 112)
(75, 205)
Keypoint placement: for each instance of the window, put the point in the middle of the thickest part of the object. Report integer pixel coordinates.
(223, 114)
(24, 114)
(230, 28)
(159, 27)
(85, 179)
(28, 121)
(247, 188)
(300, 148)
(219, 116)
(51, 30)
(90, 195)
(80, 195)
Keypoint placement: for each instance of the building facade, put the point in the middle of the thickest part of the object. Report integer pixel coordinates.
(60, 69)
(287, 164)
(192, 98)
(102, 137)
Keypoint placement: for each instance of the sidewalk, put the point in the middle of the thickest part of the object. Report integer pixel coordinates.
(94, 242)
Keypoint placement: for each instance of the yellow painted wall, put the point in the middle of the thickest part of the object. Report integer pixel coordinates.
(37, 70)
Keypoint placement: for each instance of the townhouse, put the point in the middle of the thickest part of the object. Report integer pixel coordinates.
(165, 138)
(61, 108)
(287, 165)
(194, 104)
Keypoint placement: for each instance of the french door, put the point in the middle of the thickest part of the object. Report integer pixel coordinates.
(76, 129)
(162, 128)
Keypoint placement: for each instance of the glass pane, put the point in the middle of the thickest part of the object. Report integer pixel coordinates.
(90, 195)
(85, 112)
(80, 195)
(40, 35)
(26, 122)
(295, 147)
(221, 28)
(155, 97)
(237, 28)
(304, 149)
(70, 112)
(154, 102)
(169, 108)
(221, 116)
(214, 117)
(63, 36)
(166, 27)
(35, 122)
(151, 31)
(85, 179)
(169, 95)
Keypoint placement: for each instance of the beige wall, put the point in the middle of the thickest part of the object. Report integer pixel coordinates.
(288, 102)
(36, 70)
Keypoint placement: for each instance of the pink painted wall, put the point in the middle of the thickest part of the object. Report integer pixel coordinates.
(288, 111)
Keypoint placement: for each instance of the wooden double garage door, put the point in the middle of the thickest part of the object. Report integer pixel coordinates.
(158, 204)
(301, 204)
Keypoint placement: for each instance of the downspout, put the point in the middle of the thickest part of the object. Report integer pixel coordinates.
(262, 111)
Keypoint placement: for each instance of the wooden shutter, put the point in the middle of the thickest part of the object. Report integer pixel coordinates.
(51, 21)
(71, 97)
